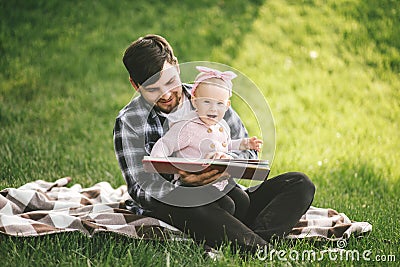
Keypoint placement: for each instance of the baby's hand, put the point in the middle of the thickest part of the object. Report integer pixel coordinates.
(218, 155)
(251, 143)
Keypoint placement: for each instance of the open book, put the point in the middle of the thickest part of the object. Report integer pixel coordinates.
(253, 169)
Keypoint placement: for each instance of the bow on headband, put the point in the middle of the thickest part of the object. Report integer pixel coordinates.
(207, 73)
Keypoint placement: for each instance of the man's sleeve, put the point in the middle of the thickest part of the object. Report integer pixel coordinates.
(129, 150)
(238, 131)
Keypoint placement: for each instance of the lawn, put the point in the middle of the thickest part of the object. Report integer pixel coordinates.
(329, 70)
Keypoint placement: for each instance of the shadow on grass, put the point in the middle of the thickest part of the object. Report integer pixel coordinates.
(49, 46)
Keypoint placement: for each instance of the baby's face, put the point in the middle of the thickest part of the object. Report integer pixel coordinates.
(211, 102)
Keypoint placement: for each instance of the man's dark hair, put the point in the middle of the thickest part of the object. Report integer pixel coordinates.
(145, 57)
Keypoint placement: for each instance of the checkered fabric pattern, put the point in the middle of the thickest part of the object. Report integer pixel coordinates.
(321, 223)
(40, 208)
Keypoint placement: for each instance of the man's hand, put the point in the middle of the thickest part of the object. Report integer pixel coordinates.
(201, 179)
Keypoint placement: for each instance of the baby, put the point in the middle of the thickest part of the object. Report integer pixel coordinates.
(204, 133)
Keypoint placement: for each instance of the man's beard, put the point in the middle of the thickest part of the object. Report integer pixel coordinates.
(171, 107)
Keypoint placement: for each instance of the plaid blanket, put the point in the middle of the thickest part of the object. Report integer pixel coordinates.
(40, 208)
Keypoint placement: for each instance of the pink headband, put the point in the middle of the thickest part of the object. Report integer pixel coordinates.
(207, 73)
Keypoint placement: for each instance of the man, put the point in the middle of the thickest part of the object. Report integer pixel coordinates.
(275, 206)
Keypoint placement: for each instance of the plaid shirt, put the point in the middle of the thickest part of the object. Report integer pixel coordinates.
(137, 128)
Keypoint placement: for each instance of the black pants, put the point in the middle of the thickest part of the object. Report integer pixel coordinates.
(275, 207)
(236, 202)
(232, 199)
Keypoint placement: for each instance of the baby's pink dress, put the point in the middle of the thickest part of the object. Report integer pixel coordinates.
(191, 138)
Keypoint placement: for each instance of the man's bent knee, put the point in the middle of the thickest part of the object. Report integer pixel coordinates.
(307, 186)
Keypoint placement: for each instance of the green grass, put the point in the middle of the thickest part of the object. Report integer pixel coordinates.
(337, 116)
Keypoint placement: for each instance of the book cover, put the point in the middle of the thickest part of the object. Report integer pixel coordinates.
(252, 169)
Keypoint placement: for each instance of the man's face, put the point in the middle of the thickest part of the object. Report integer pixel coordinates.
(166, 92)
